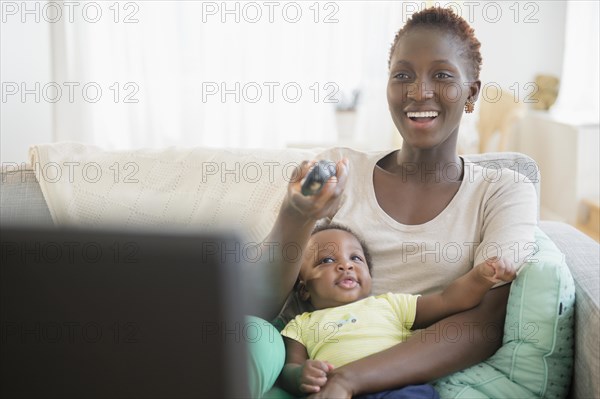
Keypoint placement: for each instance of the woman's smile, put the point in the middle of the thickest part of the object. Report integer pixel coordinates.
(422, 120)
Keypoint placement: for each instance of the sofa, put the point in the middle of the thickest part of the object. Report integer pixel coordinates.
(22, 202)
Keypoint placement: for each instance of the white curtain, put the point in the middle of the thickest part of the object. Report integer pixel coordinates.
(579, 90)
(162, 68)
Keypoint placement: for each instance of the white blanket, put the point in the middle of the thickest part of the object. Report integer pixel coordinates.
(194, 187)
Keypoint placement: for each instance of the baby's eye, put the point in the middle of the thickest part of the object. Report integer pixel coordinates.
(327, 259)
(357, 258)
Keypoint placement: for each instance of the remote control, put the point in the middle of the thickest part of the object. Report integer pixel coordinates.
(317, 177)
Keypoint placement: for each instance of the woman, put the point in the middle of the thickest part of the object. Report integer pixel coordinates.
(428, 214)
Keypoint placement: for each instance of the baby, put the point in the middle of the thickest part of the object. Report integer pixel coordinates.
(349, 324)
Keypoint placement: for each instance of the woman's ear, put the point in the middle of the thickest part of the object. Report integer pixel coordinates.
(474, 90)
(303, 292)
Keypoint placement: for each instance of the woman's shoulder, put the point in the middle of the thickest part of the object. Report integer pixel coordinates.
(491, 184)
(493, 169)
(495, 175)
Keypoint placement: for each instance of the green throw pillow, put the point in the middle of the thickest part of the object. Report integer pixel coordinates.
(536, 358)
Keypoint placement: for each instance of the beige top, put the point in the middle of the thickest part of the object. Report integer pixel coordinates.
(492, 214)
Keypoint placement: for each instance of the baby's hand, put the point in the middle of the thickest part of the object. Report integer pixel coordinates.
(498, 269)
(314, 375)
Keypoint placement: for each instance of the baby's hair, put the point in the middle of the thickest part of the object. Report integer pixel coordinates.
(445, 19)
(335, 226)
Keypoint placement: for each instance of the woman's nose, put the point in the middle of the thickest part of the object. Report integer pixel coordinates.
(418, 91)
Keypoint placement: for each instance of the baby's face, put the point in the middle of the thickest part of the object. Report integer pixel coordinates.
(334, 270)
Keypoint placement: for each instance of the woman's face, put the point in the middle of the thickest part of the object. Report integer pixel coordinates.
(428, 87)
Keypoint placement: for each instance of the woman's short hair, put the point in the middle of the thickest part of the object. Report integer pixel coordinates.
(446, 20)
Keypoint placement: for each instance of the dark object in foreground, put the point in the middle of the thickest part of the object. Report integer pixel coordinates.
(99, 314)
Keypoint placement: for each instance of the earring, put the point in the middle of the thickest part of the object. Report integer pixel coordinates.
(469, 106)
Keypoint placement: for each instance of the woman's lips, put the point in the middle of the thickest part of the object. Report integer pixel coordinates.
(422, 119)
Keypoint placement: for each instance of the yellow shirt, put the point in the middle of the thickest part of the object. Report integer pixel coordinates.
(347, 333)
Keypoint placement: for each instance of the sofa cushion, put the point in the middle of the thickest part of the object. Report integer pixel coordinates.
(536, 357)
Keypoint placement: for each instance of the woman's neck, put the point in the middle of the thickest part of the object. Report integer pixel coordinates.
(437, 165)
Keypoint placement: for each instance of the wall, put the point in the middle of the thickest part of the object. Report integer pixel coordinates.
(25, 58)
(513, 52)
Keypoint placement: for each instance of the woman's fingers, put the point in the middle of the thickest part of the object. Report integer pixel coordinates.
(315, 381)
(336, 184)
(300, 171)
(331, 194)
(309, 388)
(327, 200)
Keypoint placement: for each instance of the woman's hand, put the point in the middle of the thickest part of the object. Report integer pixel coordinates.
(336, 387)
(313, 375)
(326, 202)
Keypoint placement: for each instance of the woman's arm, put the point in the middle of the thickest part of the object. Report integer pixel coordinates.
(450, 345)
(294, 223)
(463, 293)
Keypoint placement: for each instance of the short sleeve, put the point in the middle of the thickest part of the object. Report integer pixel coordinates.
(509, 217)
(405, 307)
(293, 329)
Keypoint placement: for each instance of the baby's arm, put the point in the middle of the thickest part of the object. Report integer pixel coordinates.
(463, 293)
(300, 375)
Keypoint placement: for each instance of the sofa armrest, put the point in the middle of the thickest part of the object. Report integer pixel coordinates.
(583, 258)
(21, 199)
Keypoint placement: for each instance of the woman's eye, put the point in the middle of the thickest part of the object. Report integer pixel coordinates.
(401, 76)
(442, 75)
